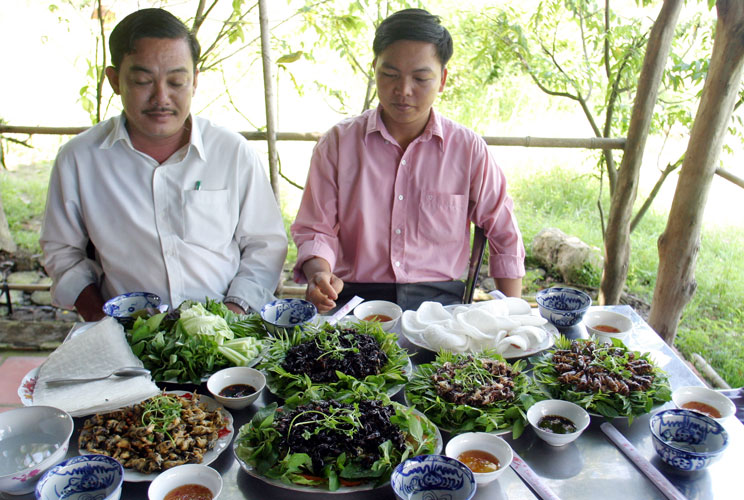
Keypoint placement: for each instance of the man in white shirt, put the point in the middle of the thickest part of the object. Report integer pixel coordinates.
(171, 203)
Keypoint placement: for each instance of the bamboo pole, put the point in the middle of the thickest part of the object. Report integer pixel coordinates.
(527, 142)
(269, 95)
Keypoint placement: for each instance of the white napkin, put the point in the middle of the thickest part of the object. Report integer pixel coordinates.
(96, 351)
(495, 324)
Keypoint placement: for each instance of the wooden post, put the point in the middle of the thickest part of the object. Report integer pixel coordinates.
(617, 235)
(269, 95)
(680, 242)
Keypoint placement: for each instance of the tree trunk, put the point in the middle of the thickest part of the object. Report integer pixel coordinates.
(6, 239)
(617, 235)
(680, 242)
(270, 96)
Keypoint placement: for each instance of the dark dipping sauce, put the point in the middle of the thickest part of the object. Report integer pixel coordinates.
(556, 424)
(237, 391)
(189, 492)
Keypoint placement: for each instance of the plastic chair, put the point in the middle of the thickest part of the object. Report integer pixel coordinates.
(476, 259)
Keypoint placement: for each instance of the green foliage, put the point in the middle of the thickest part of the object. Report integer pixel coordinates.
(23, 193)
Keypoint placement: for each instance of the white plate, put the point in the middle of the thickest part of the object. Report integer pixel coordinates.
(317, 489)
(226, 435)
(509, 353)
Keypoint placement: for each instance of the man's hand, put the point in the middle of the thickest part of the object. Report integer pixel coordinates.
(89, 303)
(323, 289)
(232, 306)
(323, 286)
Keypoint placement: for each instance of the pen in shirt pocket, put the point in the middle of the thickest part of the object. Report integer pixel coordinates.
(197, 186)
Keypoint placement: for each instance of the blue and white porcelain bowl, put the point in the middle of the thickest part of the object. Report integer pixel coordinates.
(82, 478)
(687, 440)
(431, 477)
(123, 306)
(562, 306)
(284, 314)
(32, 439)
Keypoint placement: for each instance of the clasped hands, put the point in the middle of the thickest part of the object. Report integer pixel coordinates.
(323, 288)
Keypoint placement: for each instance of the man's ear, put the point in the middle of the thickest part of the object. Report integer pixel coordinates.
(444, 79)
(113, 77)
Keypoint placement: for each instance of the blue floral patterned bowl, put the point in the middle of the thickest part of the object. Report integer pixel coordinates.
(81, 478)
(687, 440)
(123, 306)
(433, 476)
(285, 314)
(562, 306)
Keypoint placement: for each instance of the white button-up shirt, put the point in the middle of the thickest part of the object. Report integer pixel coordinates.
(204, 223)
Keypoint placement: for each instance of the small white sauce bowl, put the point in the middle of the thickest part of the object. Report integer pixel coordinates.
(236, 375)
(724, 405)
(565, 409)
(372, 307)
(482, 441)
(185, 474)
(624, 324)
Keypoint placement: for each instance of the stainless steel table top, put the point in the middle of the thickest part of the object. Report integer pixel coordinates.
(589, 468)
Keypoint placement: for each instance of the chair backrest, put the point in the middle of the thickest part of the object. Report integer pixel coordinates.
(476, 259)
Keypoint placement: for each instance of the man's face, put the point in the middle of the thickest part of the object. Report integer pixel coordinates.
(156, 83)
(409, 76)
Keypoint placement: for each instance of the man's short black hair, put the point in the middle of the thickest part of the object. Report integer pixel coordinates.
(148, 23)
(413, 24)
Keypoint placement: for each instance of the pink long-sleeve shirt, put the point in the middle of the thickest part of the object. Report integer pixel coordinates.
(379, 214)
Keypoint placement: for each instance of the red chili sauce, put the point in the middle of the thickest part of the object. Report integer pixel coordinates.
(702, 408)
(189, 492)
(479, 461)
(382, 318)
(606, 329)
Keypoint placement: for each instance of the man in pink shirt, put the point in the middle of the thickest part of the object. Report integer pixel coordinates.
(391, 193)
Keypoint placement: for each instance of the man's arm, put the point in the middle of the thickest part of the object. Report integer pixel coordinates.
(89, 303)
(323, 286)
(511, 287)
(261, 238)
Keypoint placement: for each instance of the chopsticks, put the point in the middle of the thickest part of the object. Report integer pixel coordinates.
(529, 476)
(656, 477)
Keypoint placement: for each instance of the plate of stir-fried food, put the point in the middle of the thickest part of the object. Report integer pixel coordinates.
(334, 361)
(170, 429)
(605, 379)
(463, 392)
(330, 446)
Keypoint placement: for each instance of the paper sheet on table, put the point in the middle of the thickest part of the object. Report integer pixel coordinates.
(97, 351)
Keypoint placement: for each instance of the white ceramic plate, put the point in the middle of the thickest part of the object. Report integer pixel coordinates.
(316, 489)
(225, 437)
(509, 353)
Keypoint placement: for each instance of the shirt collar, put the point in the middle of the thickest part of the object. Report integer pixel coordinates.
(119, 133)
(433, 127)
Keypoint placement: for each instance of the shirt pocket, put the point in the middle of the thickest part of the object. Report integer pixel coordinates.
(441, 216)
(207, 218)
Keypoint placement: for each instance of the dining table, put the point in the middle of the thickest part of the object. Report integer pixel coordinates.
(591, 467)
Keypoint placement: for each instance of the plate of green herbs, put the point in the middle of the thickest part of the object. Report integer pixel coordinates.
(473, 392)
(195, 340)
(610, 380)
(333, 447)
(352, 360)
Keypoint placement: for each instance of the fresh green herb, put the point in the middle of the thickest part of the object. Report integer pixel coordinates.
(615, 359)
(160, 413)
(470, 376)
(195, 340)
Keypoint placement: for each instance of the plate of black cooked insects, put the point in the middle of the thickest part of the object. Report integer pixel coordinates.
(334, 361)
(330, 446)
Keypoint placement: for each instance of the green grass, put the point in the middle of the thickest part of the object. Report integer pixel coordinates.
(712, 324)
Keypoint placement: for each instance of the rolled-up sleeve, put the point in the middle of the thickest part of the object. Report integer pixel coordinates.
(315, 229)
(493, 209)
